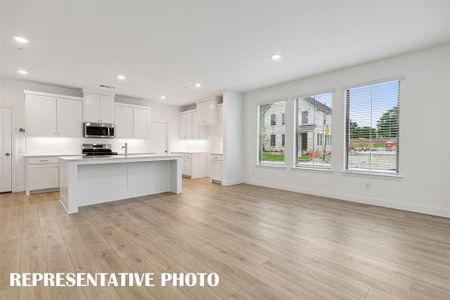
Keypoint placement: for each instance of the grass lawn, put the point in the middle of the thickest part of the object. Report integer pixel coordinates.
(272, 156)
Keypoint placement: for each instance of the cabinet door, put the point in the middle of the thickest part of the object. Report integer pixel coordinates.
(189, 125)
(207, 112)
(106, 109)
(198, 132)
(91, 108)
(124, 121)
(69, 117)
(41, 115)
(187, 166)
(141, 123)
(43, 176)
(182, 125)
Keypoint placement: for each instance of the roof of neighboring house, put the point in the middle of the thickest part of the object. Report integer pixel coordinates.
(319, 105)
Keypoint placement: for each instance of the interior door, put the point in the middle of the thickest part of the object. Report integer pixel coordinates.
(159, 137)
(5, 150)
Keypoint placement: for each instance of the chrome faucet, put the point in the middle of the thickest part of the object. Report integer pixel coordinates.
(125, 146)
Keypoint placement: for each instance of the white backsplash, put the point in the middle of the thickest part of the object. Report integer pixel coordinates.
(60, 145)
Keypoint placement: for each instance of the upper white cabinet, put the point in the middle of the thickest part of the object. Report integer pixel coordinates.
(68, 115)
(190, 126)
(53, 115)
(98, 108)
(207, 112)
(141, 123)
(132, 121)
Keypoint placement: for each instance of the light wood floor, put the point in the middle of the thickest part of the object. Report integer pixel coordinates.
(264, 243)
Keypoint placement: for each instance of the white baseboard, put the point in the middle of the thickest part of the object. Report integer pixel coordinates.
(232, 182)
(356, 198)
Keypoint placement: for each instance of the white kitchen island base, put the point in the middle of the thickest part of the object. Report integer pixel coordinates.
(86, 181)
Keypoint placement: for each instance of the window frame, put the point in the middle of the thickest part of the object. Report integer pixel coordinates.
(258, 144)
(381, 173)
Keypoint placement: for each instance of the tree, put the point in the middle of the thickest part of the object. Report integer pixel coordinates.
(365, 132)
(387, 125)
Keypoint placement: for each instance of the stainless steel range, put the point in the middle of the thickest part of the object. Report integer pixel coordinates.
(97, 150)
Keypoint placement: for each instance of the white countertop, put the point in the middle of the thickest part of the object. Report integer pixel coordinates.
(118, 158)
(49, 155)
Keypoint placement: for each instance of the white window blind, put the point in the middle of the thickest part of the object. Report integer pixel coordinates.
(270, 133)
(313, 130)
(372, 127)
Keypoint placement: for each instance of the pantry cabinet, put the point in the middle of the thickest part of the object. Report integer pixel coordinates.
(132, 121)
(190, 127)
(52, 115)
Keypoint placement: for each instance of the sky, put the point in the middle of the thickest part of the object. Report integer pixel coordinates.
(378, 98)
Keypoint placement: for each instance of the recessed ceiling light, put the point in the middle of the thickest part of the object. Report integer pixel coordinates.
(275, 56)
(163, 97)
(198, 85)
(120, 77)
(21, 40)
(23, 72)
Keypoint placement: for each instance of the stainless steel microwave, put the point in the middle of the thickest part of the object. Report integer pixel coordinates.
(98, 130)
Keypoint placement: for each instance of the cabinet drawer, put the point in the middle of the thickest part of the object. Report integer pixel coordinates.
(216, 157)
(42, 160)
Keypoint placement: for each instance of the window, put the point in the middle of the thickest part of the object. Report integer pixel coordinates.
(273, 119)
(272, 140)
(269, 151)
(304, 117)
(313, 130)
(283, 140)
(372, 127)
(283, 119)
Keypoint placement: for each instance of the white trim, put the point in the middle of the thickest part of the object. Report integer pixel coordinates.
(232, 182)
(305, 168)
(26, 92)
(417, 208)
(264, 102)
(271, 165)
(131, 105)
(188, 111)
(303, 95)
(368, 173)
(394, 78)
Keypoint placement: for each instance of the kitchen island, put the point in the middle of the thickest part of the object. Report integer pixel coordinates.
(92, 180)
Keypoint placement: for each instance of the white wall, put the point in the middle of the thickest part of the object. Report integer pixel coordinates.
(232, 138)
(11, 95)
(424, 135)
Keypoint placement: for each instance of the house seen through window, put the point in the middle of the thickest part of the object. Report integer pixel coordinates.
(271, 140)
(313, 130)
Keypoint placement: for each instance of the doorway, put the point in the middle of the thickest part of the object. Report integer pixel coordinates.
(5, 150)
(160, 133)
(304, 136)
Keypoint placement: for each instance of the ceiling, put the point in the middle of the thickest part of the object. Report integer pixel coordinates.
(164, 48)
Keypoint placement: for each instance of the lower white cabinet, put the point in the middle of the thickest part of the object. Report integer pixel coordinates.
(41, 173)
(194, 165)
(215, 166)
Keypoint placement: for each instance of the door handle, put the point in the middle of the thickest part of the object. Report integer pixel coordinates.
(7, 154)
